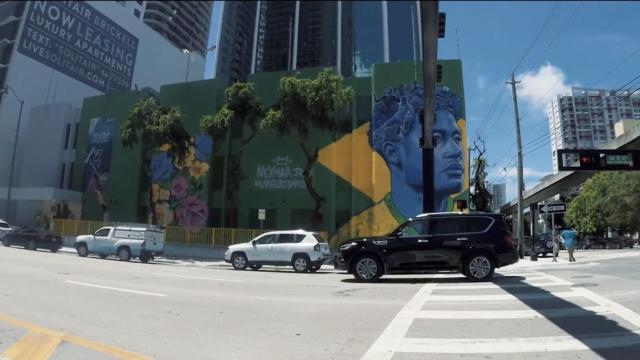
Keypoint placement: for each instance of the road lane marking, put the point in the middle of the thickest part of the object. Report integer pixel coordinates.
(517, 345)
(504, 297)
(616, 308)
(511, 314)
(114, 288)
(387, 343)
(86, 343)
(33, 346)
(196, 277)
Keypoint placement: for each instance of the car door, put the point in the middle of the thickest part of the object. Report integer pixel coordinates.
(286, 246)
(408, 247)
(263, 249)
(454, 236)
(24, 235)
(101, 242)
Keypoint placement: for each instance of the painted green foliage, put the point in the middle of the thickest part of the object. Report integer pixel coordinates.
(608, 199)
(154, 126)
(305, 104)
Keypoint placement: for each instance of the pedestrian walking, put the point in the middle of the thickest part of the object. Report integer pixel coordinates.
(556, 245)
(569, 239)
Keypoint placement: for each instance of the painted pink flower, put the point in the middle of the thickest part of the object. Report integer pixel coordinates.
(179, 187)
(192, 212)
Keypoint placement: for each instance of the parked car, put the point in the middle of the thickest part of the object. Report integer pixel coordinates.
(125, 242)
(472, 243)
(544, 244)
(33, 238)
(5, 228)
(303, 250)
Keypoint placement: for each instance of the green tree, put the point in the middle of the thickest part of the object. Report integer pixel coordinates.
(153, 125)
(241, 108)
(608, 199)
(481, 197)
(306, 104)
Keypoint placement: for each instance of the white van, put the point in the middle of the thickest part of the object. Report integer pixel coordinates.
(125, 242)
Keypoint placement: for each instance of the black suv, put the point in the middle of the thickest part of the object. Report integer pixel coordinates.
(472, 243)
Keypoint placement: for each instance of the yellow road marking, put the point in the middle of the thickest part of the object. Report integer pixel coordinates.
(33, 346)
(39, 336)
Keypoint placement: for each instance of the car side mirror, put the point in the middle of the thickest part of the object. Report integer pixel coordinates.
(253, 243)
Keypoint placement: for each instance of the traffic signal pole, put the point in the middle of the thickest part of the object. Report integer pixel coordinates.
(429, 14)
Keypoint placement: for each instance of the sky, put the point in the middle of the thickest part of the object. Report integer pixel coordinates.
(549, 46)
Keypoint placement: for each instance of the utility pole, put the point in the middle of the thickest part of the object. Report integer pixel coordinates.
(513, 83)
(430, 17)
(6, 90)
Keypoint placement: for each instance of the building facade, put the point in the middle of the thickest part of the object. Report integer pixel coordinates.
(52, 72)
(185, 24)
(350, 36)
(498, 195)
(364, 188)
(586, 118)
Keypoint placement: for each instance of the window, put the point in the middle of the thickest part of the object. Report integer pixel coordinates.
(28, 231)
(102, 232)
(66, 137)
(75, 135)
(70, 175)
(286, 239)
(458, 225)
(62, 174)
(403, 31)
(362, 44)
(136, 13)
(479, 224)
(267, 239)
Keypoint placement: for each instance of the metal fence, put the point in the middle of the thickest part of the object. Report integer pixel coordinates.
(172, 234)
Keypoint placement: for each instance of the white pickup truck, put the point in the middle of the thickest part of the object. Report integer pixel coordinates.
(125, 242)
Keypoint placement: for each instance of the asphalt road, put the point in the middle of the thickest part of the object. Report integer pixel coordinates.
(61, 306)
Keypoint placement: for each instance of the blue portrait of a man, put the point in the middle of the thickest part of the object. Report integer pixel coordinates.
(395, 134)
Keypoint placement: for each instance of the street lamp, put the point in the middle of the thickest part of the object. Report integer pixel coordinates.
(15, 146)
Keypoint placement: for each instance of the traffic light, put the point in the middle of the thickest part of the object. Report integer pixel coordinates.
(598, 160)
(439, 73)
(442, 20)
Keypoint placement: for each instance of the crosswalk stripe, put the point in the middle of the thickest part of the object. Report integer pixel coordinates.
(517, 345)
(33, 346)
(502, 297)
(511, 314)
(500, 286)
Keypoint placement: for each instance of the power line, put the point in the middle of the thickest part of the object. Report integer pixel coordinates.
(537, 37)
(558, 33)
(633, 53)
(531, 45)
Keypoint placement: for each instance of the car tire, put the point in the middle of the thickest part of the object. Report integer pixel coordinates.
(367, 268)
(82, 249)
(255, 267)
(300, 263)
(54, 249)
(5, 242)
(103, 256)
(31, 245)
(239, 261)
(144, 258)
(479, 267)
(124, 254)
(314, 268)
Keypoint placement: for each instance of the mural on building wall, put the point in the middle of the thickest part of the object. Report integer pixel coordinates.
(97, 160)
(394, 134)
(177, 190)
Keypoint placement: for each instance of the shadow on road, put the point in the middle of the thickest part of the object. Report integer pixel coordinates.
(588, 327)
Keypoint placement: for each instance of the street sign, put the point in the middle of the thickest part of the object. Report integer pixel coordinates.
(598, 160)
(554, 208)
(262, 214)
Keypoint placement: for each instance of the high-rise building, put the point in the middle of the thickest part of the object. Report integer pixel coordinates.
(498, 195)
(586, 118)
(234, 43)
(184, 23)
(289, 35)
(48, 76)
